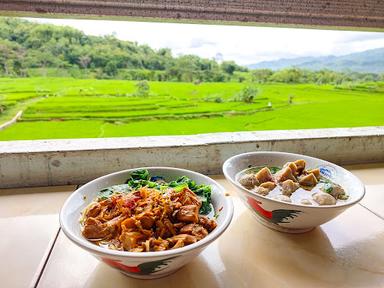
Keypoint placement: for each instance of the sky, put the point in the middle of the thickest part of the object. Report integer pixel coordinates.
(243, 44)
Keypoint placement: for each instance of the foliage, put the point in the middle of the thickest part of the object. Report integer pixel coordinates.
(142, 88)
(2, 106)
(25, 45)
(34, 50)
(297, 75)
(261, 75)
(290, 99)
(219, 100)
(230, 67)
(247, 94)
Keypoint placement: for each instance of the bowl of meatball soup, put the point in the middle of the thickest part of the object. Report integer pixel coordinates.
(291, 192)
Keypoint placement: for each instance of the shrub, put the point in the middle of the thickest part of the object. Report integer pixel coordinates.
(248, 94)
(142, 88)
(290, 98)
(219, 100)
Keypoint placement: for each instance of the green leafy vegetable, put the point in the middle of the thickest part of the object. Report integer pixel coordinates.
(325, 180)
(328, 188)
(205, 208)
(104, 194)
(140, 175)
(202, 191)
(141, 178)
(107, 192)
(180, 187)
(343, 197)
(256, 169)
(274, 169)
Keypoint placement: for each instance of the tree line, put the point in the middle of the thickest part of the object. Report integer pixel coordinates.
(26, 47)
(297, 75)
(29, 49)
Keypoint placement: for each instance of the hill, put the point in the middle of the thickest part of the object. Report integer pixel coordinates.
(26, 47)
(369, 61)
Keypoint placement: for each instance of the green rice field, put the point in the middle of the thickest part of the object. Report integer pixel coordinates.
(57, 108)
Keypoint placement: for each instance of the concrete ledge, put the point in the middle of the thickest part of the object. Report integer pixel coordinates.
(76, 161)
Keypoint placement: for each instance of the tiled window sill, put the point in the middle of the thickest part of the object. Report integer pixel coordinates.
(349, 246)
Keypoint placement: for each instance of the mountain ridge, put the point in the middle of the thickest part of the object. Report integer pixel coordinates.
(371, 60)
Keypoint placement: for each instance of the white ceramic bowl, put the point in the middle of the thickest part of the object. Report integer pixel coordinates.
(287, 217)
(144, 265)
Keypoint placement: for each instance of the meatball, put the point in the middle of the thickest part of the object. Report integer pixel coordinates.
(248, 181)
(283, 198)
(324, 198)
(335, 190)
(261, 190)
(305, 202)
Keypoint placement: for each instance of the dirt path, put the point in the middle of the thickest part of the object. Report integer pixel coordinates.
(12, 121)
(12, 113)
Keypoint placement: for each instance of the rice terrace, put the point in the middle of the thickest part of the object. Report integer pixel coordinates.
(71, 85)
(76, 108)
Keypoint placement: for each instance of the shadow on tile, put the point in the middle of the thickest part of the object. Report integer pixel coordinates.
(312, 259)
(195, 274)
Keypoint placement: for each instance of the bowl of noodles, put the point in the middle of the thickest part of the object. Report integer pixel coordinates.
(147, 222)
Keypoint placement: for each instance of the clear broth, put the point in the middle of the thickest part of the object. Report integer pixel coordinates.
(297, 196)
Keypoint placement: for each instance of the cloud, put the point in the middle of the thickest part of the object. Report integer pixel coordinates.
(200, 42)
(244, 44)
(361, 36)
